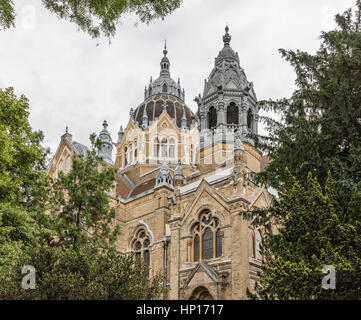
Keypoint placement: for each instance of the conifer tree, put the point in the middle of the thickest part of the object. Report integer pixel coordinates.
(317, 142)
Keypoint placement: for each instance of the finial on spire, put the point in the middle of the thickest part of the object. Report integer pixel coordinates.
(165, 47)
(105, 124)
(227, 38)
(66, 129)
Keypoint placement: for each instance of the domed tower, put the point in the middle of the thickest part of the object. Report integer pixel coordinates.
(162, 125)
(163, 94)
(107, 147)
(228, 103)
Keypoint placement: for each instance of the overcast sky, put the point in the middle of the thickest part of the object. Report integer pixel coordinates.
(70, 81)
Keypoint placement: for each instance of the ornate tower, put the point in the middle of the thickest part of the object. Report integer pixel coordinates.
(228, 103)
(106, 151)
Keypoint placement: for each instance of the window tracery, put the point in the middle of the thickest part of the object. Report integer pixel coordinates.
(207, 238)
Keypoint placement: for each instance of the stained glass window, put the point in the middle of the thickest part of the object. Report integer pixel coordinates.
(207, 238)
(141, 248)
(207, 244)
(196, 248)
(218, 243)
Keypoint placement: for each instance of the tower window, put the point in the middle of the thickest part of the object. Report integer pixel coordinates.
(250, 119)
(212, 118)
(232, 114)
(172, 148)
(164, 89)
(192, 153)
(131, 154)
(207, 239)
(125, 156)
(164, 148)
(156, 148)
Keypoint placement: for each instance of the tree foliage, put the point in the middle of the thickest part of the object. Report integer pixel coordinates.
(80, 199)
(64, 228)
(318, 136)
(23, 181)
(313, 235)
(97, 18)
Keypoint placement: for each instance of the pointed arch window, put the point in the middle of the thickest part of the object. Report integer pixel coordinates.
(171, 148)
(131, 154)
(249, 119)
(156, 148)
(135, 151)
(232, 114)
(164, 148)
(141, 245)
(207, 238)
(164, 89)
(212, 118)
(192, 153)
(258, 245)
(125, 156)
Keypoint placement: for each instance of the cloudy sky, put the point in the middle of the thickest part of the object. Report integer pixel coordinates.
(71, 81)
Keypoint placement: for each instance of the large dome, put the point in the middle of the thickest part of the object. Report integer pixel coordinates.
(153, 107)
(163, 94)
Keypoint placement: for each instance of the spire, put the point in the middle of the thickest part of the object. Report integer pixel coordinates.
(226, 38)
(164, 63)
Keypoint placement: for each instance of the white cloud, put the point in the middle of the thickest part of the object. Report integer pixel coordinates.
(70, 81)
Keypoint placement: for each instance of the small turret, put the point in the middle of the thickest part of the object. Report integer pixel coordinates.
(179, 176)
(106, 150)
(164, 178)
(120, 134)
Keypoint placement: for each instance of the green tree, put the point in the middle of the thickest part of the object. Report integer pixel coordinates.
(80, 199)
(313, 234)
(319, 132)
(23, 181)
(97, 18)
(81, 261)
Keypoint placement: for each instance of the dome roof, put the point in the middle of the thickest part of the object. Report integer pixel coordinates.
(155, 105)
(163, 95)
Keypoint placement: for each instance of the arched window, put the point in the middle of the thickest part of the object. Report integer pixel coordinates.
(250, 119)
(212, 118)
(156, 148)
(125, 156)
(232, 114)
(172, 148)
(207, 239)
(135, 151)
(192, 153)
(258, 245)
(68, 164)
(164, 89)
(131, 154)
(164, 148)
(141, 245)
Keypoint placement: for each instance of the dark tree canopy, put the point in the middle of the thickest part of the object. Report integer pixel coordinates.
(97, 18)
(315, 152)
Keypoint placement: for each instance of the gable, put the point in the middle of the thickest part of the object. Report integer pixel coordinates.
(206, 197)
